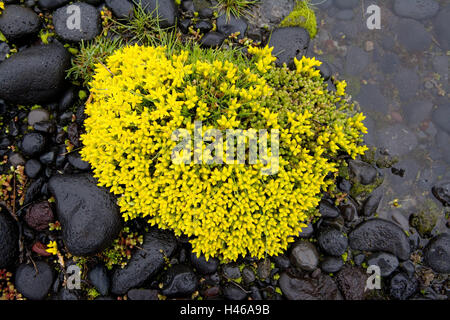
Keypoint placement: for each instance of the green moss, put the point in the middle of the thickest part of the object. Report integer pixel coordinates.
(353, 85)
(360, 191)
(382, 161)
(302, 16)
(425, 220)
(343, 172)
(92, 293)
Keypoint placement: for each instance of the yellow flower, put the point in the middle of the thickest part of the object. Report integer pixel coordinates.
(340, 88)
(2, 7)
(229, 210)
(52, 248)
(306, 66)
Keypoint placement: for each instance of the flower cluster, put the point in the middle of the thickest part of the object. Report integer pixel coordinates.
(52, 248)
(141, 95)
(7, 289)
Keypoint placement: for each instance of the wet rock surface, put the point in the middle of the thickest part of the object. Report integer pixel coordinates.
(121, 8)
(388, 263)
(39, 216)
(144, 263)
(179, 281)
(165, 9)
(17, 23)
(442, 192)
(416, 9)
(9, 239)
(352, 282)
(142, 294)
(228, 26)
(331, 264)
(437, 253)
(402, 286)
(203, 266)
(304, 255)
(98, 277)
(289, 43)
(380, 235)
(34, 75)
(34, 282)
(333, 242)
(322, 288)
(69, 30)
(88, 214)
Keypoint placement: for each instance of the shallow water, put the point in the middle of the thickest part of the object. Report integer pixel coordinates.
(399, 74)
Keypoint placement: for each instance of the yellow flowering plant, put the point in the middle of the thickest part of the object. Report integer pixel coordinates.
(141, 95)
(52, 248)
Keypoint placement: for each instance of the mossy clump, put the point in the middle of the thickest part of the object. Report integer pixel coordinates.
(142, 95)
(361, 192)
(425, 220)
(302, 16)
(120, 252)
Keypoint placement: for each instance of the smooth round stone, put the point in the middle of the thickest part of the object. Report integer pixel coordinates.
(228, 26)
(90, 25)
(52, 4)
(345, 15)
(402, 286)
(37, 115)
(32, 168)
(203, 266)
(332, 264)
(441, 27)
(416, 9)
(212, 39)
(380, 235)
(17, 23)
(346, 4)
(327, 209)
(34, 75)
(413, 36)
(99, 278)
(179, 281)
(289, 43)
(388, 263)
(304, 255)
(31, 284)
(306, 232)
(333, 242)
(9, 239)
(437, 253)
(203, 26)
(122, 9)
(33, 144)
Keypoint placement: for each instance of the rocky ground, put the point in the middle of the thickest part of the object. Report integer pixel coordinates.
(48, 193)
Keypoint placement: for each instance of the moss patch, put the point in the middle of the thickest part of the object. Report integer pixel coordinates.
(360, 192)
(425, 220)
(302, 16)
